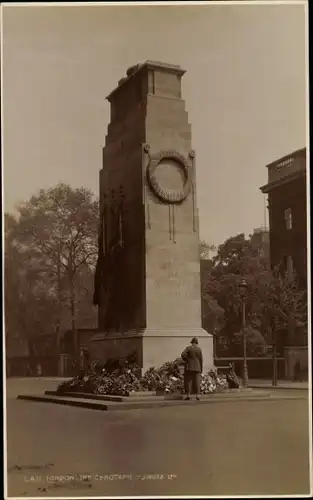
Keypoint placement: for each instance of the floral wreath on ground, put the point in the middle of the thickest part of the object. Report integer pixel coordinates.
(123, 378)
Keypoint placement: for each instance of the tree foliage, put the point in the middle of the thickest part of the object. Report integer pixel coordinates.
(29, 306)
(53, 239)
(267, 295)
(206, 249)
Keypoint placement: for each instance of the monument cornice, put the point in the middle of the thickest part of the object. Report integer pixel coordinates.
(168, 68)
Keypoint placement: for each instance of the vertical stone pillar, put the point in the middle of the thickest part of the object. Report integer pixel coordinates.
(148, 272)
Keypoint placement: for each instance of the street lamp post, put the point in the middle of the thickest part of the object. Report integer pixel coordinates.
(274, 352)
(245, 377)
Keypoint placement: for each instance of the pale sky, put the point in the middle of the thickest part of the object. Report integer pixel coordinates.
(244, 91)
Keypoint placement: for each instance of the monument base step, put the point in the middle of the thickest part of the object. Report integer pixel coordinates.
(84, 395)
(155, 402)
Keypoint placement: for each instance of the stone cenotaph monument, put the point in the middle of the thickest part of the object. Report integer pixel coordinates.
(147, 283)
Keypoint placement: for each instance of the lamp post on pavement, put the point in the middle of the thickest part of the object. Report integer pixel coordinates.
(243, 288)
(274, 351)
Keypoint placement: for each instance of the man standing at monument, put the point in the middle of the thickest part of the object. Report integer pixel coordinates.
(193, 359)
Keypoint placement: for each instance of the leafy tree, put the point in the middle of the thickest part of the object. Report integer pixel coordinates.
(206, 249)
(284, 310)
(28, 303)
(59, 227)
(236, 259)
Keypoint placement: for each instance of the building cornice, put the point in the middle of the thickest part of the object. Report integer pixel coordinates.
(292, 156)
(273, 185)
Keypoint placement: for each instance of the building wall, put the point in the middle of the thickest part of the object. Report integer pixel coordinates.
(286, 190)
(287, 166)
(293, 356)
(289, 242)
(260, 240)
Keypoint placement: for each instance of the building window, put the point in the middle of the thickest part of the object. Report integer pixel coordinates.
(289, 267)
(288, 218)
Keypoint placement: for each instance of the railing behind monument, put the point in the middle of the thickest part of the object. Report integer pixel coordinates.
(258, 368)
(44, 366)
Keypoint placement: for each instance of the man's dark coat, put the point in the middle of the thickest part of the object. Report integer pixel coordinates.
(192, 356)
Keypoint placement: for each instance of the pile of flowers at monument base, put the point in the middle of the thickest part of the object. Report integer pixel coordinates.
(123, 378)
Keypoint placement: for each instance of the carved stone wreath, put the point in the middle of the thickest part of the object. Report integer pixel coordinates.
(166, 195)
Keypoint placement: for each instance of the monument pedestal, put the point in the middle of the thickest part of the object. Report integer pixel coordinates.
(153, 348)
(158, 347)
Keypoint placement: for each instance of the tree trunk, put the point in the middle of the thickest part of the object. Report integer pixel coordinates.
(73, 308)
(73, 321)
(58, 326)
(58, 336)
(31, 348)
(214, 346)
(274, 355)
(31, 368)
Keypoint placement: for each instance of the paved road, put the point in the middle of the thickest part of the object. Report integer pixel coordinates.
(229, 449)
(25, 385)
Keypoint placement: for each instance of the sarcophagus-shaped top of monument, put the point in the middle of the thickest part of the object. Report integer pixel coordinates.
(155, 74)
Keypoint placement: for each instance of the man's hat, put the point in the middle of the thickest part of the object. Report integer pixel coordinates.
(194, 341)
